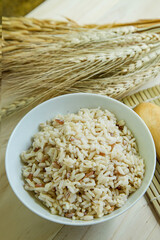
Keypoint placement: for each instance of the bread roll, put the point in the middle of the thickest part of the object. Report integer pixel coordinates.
(150, 113)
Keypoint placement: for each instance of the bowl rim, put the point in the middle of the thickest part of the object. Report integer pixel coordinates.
(77, 222)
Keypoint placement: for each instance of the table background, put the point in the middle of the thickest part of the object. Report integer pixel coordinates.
(98, 11)
(139, 222)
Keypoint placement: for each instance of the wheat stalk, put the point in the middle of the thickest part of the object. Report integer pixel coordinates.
(42, 59)
(113, 89)
(108, 85)
(64, 72)
(143, 62)
(15, 106)
(19, 29)
(79, 37)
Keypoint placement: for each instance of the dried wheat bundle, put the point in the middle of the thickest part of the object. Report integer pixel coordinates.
(42, 58)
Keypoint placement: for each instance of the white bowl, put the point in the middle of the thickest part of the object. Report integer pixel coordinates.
(20, 140)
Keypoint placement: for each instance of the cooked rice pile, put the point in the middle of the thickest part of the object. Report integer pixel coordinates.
(84, 165)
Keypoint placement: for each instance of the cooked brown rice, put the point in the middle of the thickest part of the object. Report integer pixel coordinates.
(84, 165)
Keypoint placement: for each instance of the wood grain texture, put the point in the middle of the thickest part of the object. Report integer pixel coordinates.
(17, 222)
(98, 11)
(123, 227)
(18, 7)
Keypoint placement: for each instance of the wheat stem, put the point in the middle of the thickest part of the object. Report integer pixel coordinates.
(46, 58)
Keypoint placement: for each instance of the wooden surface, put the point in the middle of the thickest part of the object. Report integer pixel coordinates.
(18, 8)
(17, 222)
(98, 11)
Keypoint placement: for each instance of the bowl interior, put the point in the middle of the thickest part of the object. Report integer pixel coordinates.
(20, 140)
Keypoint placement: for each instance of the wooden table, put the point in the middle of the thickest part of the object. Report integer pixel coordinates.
(17, 222)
